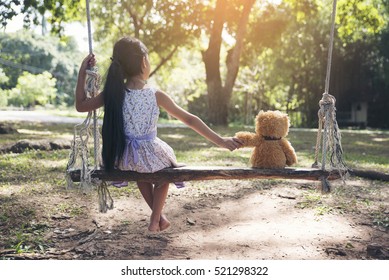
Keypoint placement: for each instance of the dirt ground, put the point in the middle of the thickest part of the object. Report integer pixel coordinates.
(216, 220)
(243, 220)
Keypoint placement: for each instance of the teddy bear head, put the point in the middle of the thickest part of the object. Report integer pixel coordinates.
(273, 124)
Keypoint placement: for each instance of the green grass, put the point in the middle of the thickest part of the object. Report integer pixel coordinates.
(37, 131)
(362, 149)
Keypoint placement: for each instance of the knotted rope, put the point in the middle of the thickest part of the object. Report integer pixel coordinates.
(82, 132)
(327, 120)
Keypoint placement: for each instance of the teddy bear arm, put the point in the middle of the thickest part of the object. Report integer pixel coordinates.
(290, 154)
(249, 139)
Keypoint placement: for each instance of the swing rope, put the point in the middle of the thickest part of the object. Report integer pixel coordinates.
(327, 120)
(93, 87)
(82, 132)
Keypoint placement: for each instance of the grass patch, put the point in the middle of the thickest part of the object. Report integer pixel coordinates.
(29, 238)
(310, 200)
(362, 149)
(69, 208)
(381, 219)
(131, 190)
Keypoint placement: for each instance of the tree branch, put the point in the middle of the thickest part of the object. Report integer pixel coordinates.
(164, 60)
(134, 18)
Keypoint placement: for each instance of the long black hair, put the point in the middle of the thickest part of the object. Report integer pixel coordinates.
(127, 61)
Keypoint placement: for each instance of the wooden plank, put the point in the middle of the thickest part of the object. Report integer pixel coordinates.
(193, 173)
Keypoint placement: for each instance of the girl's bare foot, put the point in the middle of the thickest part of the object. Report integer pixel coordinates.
(154, 223)
(163, 223)
(154, 228)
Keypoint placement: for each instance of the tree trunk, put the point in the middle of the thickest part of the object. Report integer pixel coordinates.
(218, 95)
(217, 105)
(233, 57)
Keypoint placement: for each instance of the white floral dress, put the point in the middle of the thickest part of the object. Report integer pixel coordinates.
(144, 152)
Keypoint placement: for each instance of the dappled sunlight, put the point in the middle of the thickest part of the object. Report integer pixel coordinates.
(175, 136)
(304, 160)
(369, 145)
(32, 132)
(369, 166)
(380, 139)
(53, 164)
(257, 227)
(10, 189)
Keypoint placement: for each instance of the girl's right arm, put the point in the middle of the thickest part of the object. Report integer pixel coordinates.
(194, 122)
(84, 104)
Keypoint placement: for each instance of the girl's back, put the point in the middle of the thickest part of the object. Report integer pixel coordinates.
(140, 118)
(140, 111)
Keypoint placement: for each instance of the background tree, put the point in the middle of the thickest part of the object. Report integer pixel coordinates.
(164, 26)
(282, 49)
(257, 87)
(55, 12)
(291, 72)
(32, 90)
(27, 51)
(3, 94)
(300, 60)
(233, 14)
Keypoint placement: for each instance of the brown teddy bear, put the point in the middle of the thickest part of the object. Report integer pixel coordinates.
(271, 150)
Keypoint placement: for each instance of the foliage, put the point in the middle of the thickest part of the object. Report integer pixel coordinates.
(164, 26)
(358, 19)
(3, 98)
(3, 94)
(180, 83)
(33, 90)
(55, 12)
(3, 78)
(27, 51)
(290, 71)
(283, 60)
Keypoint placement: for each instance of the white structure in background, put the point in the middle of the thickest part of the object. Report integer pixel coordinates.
(356, 116)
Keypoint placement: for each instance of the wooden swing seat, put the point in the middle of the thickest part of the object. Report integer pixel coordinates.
(196, 173)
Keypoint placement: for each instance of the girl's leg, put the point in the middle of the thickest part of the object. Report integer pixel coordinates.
(155, 198)
(146, 189)
(160, 194)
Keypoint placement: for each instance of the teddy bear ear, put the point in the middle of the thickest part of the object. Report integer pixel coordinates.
(260, 113)
(286, 118)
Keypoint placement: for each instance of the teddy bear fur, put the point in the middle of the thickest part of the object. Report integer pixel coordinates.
(271, 149)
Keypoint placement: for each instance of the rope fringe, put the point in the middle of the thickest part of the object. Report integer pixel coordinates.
(332, 146)
(80, 157)
(80, 154)
(105, 199)
(329, 132)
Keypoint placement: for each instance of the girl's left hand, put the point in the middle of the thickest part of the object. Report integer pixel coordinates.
(88, 62)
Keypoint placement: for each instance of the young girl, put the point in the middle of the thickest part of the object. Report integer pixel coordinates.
(131, 111)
